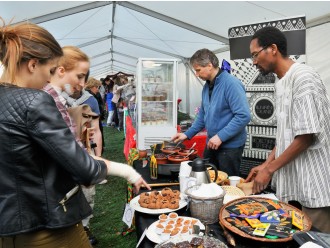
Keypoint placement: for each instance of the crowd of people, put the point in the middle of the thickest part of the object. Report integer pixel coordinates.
(51, 115)
(118, 94)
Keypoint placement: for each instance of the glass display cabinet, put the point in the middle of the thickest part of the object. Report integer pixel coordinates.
(156, 101)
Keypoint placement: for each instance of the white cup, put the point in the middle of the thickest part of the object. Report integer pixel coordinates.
(234, 180)
(186, 182)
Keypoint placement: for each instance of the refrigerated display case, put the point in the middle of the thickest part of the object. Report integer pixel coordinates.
(156, 101)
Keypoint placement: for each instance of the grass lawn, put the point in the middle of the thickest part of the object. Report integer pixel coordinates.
(110, 198)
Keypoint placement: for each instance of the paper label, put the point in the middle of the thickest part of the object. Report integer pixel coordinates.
(128, 215)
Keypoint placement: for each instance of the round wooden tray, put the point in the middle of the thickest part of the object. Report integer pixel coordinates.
(224, 213)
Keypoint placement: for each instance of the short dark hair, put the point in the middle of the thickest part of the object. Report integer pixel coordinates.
(204, 56)
(270, 35)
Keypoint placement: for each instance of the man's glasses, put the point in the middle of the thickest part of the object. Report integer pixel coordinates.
(255, 55)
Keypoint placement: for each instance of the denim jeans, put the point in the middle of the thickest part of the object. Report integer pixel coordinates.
(226, 159)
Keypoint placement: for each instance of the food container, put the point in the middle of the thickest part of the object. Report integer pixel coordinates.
(170, 149)
(177, 159)
(172, 216)
(163, 217)
(161, 158)
(185, 152)
(206, 209)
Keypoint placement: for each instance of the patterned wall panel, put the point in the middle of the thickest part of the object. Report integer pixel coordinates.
(259, 88)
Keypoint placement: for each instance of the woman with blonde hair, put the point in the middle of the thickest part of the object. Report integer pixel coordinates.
(41, 203)
(69, 79)
(93, 85)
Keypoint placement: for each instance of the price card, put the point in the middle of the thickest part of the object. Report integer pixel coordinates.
(128, 215)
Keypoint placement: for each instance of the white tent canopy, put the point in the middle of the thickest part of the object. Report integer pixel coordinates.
(115, 34)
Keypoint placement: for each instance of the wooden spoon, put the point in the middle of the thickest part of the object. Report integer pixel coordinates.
(192, 147)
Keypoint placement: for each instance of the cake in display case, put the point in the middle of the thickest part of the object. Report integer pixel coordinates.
(156, 101)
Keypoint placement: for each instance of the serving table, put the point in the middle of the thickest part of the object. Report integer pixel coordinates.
(144, 220)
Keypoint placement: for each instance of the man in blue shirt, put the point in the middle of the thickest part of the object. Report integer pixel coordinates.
(224, 114)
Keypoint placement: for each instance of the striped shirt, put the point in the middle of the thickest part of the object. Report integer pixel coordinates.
(303, 107)
(63, 110)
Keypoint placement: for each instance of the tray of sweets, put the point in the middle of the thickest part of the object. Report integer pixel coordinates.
(241, 227)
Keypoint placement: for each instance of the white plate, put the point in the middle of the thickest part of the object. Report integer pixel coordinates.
(154, 237)
(136, 206)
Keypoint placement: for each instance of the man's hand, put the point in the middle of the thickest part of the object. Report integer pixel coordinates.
(137, 185)
(214, 143)
(261, 177)
(179, 137)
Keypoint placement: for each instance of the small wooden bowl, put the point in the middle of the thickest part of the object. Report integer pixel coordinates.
(170, 149)
(177, 159)
(161, 158)
(185, 152)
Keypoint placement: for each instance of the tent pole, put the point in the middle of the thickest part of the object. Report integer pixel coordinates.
(187, 88)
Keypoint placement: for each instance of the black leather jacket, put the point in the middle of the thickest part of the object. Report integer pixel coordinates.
(40, 163)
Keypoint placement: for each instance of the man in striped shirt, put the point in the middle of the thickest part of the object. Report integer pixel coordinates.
(299, 165)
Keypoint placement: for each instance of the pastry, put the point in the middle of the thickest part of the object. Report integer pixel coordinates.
(175, 232)
(174, 204)
(176, 194)
(155, 194)
(196, 242)
(183, 244)
(164, 204)
(159, 203)
(144, 195)
(145, 203)
(152, 204)
(173, 216)
(168, 245)
(166, 191)
(163, 217)
(246, 187)
(158, 200)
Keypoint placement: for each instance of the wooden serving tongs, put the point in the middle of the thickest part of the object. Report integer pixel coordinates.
(229, 237)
